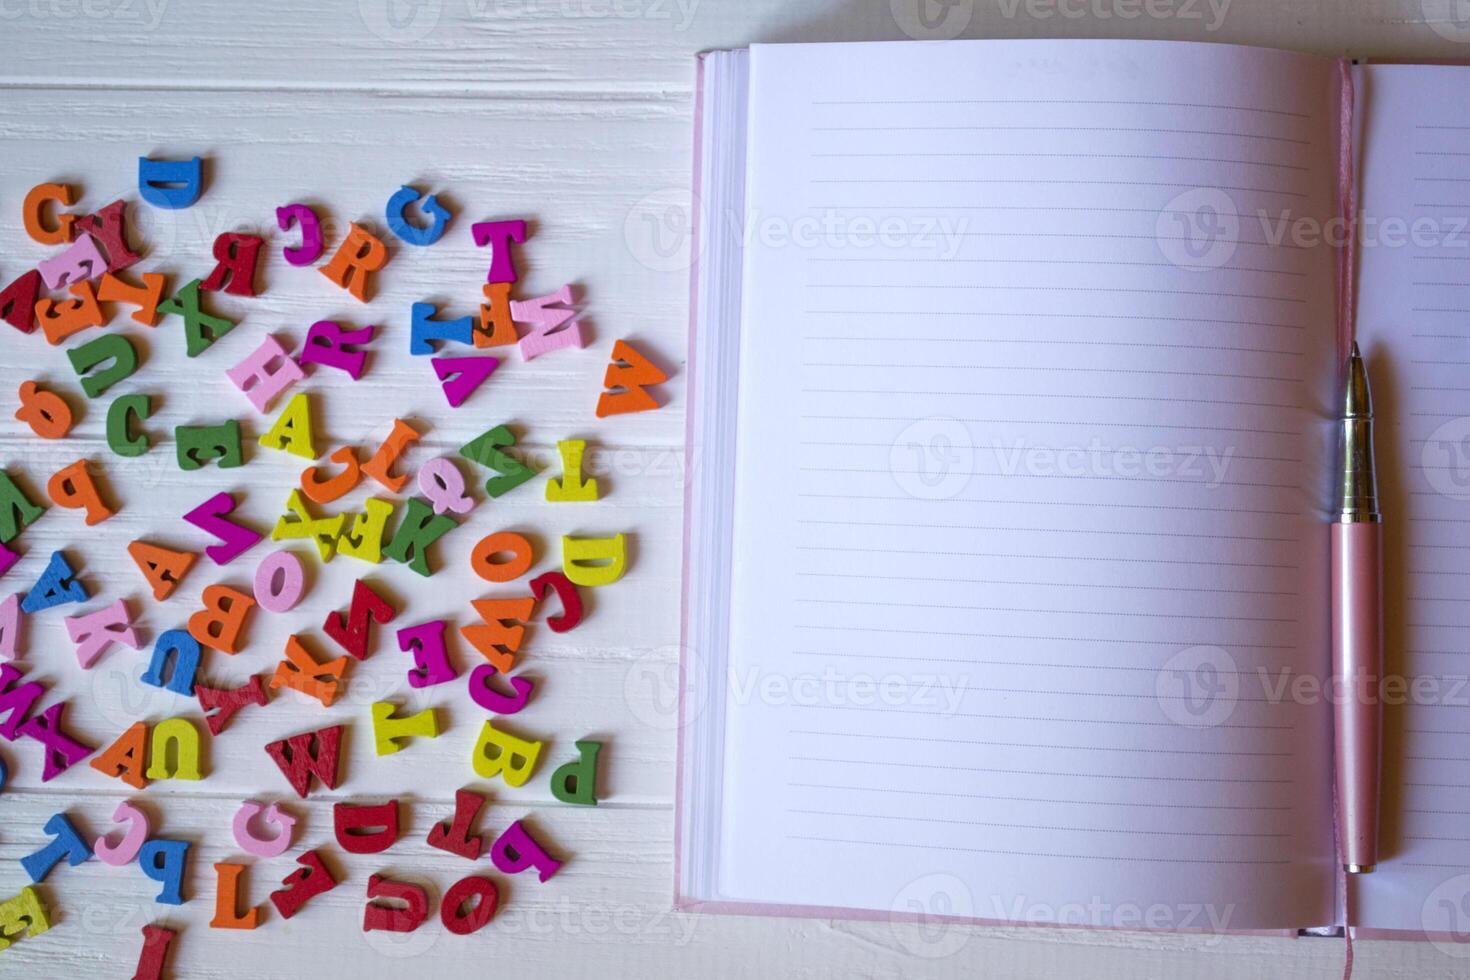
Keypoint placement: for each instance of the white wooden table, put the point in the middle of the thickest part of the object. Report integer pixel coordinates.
(576, 115)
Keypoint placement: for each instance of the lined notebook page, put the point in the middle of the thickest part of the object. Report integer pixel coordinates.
(1413, 324)
(1031, 485)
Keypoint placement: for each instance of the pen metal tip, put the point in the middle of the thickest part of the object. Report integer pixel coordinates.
(1357, 395)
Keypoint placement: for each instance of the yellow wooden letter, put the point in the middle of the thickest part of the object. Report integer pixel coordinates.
(594, 561)
(571, 486)
(498, 753)
(22, 914)
(184, 737)
(363, 540)
(388, 730)
(291, 432)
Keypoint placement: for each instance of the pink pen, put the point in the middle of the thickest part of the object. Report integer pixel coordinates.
(1357, 627)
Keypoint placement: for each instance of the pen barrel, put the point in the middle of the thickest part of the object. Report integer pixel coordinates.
(1357, 648)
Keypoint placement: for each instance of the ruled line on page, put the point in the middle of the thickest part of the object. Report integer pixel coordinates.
(911, 181)
(1126, 831)
(1111, 477)
(980, 662)
(1157, 453)
(1056, 316)
(1152, 103)
(1120, 695)
(1137, 291)
(1087, 263)
(1151, 804)
(1040, 854)
(1040, 745)
(1122, 236)
(867, 339)
(1254, 430)
(1129, 641)
(1287, 593)
(1157, 130)
(1143, 777)
(1075, 156)
(1050, 717)
(1049, 394)
(950, 553)
(1099, 504)
(895, 604)
(1051, 530)
(1057, 369)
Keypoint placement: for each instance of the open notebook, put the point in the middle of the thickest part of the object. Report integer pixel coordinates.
(1012, 436)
